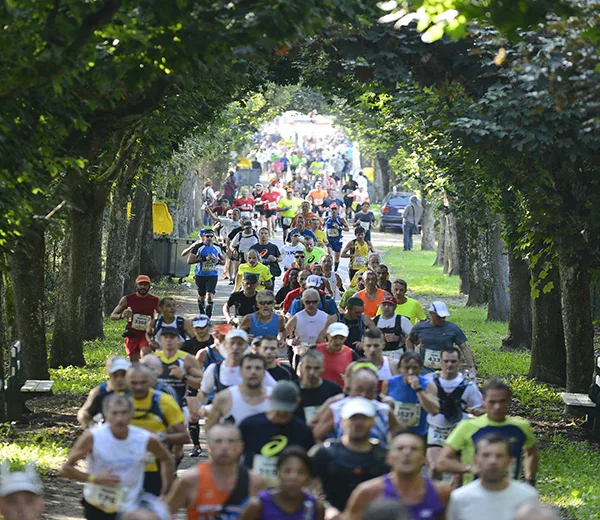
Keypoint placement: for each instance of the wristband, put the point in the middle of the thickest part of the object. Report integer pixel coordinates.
(91, 479)
(418, 390)
(184, 378)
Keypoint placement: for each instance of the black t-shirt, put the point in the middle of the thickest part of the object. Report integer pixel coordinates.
(234, 232)
(243, 304)
(282, 293)
(313, 398)
(280, 373)
(341, 470)
(269, 250)
(259, 433)
(192, 345)
(357, 329)
(368, 218)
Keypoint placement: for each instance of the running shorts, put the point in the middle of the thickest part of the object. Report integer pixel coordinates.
(135, 344)
(206, 284)
(336, 245)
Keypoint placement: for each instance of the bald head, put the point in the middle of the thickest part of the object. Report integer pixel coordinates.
(153, 363)
(221, 430)
(534, 511)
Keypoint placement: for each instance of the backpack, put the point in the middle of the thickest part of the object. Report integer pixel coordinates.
(179, 324)
(451, 403)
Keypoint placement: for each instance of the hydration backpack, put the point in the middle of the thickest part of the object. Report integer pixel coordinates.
(451, 403)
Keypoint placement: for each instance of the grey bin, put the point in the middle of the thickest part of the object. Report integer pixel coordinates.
(167, 256)
(248, 177)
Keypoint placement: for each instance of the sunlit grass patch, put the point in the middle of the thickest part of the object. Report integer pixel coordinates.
(47, 456)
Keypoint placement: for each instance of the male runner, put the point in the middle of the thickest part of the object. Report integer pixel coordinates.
(253, 265)
(423, 497)
(341, 465)
(242, 303)
(21, 493)
(116, 454)
(301, 229)
(394, 327)
(138, 309)
(335, 282)
(408, 307)
(167, 317)
(383, 278)
(206, 273)
(494, 495)
(336, 354)
(201, 338)
(267, 347)
(357, 322)
(314, 224)
(220, 487)
(313, 253)
(371, 294)
(268, 252)
(373, 344)
(250, 397)
(288, 206)
(334, 225)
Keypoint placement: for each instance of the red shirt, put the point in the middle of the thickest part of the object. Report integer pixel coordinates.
(336, 364)
(290, 297)
(270, 200)
(244, 205)
(143, 311)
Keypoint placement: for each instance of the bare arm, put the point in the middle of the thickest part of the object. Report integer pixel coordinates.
(345, 253)
(177, 434)
(193, 370)
(246, 322)
(167, 467)
(360, 498)
(117, 313)
(331, 319)
(448, 461)
(188, 249)
(253, 510)
(189, 330)
(83, 446)
(217, 411)
(323, 426)
(530, 464)
(183, 492)
(468, 354)
(83, 415)
(226, 315)
(368, 322)
(290, 326)
(429, 399)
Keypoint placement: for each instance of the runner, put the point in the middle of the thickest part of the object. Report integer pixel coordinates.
(250, 397)
(395, 327)
(207, 258)
(295, 293)
(138, 309)
(301, 229)
(423, 497)
(356, 284)
(242, 242)
(373, 343)
(264, 321)
(366, 219)
(496, 400)
(288, 206)
(246, 205)
(305, 212)
(267, 347)
(289, 501)
(21, 493)
(215, 353)
(316, 196)
(242, 303)
(292, 283)
(266, 434)
(259, 204)
(314, 225)
(230, 223)
(220, 487)
(415, 396)
(458, 399)
(357, 250)
(334, 225)
(156, 367)
(357, 322)
(253, 265)
(158, 413)
(116, 368)
(433, 335)
(314, 390)
(341, 465)
(201, 338)
(337, 356)
(313, 254)
(371, 294)
(290, 249)
(347, 190)
(374, 262)
(383, 278)
(334, 279)
(116, 454)
(270, 199)
(167, 317)
(268, 252)
(494, 495)
(408, 307)
(326, 303)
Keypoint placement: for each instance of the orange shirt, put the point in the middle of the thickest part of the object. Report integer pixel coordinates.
(371, 306)
(318, 196)
(209, 498)
(307, 217)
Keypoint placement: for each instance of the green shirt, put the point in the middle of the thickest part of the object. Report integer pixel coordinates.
(292, 205)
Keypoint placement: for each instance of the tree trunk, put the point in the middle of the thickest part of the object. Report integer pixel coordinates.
(520, 316)
(499, 304)
(463, 256)
(29, 297)
(479, 275)
(114, 278)
(575, 279)
(451, 254)
(92, 314)
(548, 354)
(382, 185)
(427, 224)
(4, 337)
(441, 246)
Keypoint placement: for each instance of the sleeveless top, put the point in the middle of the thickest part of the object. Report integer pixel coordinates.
(309, 327)
(384, 373)
(125, 458)
(409, 411)
(178, 323)
(359, 259)
(430, 508)
(240, 409)
(259, 328)
(332, 278)
(211, 502)
(271, 511)
(333, 234)
(178, 385)
(380, 429)
(143, 311)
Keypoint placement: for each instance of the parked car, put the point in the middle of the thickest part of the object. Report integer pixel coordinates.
(392, 210)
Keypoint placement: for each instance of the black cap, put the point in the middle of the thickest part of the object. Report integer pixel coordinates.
(165, 330)
(250, 277)
(248, 223)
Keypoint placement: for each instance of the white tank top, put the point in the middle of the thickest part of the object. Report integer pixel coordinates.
(240, 409)
(309, 327)
(125, 458)
(333, 284)
(385, 372)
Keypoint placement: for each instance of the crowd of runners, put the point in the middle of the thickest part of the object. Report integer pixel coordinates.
(321, 395)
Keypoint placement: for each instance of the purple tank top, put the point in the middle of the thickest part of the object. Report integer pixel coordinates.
(430, 508)
(271, 511)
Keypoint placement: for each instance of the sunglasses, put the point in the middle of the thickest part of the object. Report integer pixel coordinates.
(299, 256)
(311, 301)
(271, 302)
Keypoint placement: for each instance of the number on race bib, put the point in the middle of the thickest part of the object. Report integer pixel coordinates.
(271, 205)
(287, 221)
(207, 265)
(333, 232)
(437, 436)
(310, 412)
(359, 261)
(266, 467)
(365, 225)
(140, 321)
(409, 414)
(108, 499)
(432, 358)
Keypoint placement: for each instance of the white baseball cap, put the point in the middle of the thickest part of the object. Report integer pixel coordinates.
(201, 320)
(440, 309)
(338, 329)
(237, 333)
(16, 481)
(358, 406)
(314, 281)
(119, 364)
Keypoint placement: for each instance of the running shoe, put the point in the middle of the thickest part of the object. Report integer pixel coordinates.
(196, 451)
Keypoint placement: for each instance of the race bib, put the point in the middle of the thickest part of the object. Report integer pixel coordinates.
(300, 350)
(436, 436)
(432, 358)
(140, 321)
(107, 499)
(310, 412)
(208, 265)
(333, 232)
(365, 225)
(409, 414)
(359, 261)
(287, 221)
(271, 205)
(393, 354)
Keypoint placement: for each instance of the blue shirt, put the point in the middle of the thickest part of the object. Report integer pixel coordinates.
(307, 233)
(206, 267)
(330, 306)
(334, 234)
(409, 411)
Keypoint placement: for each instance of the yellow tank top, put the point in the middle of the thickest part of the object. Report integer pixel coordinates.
(360, 258)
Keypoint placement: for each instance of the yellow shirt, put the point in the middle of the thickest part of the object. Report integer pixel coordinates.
(263, 272)
(155, 413)
(289, 206)
(358, 262)
(412, 309)
(321, 237)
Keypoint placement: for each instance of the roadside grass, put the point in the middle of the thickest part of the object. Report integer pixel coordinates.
(568, 469)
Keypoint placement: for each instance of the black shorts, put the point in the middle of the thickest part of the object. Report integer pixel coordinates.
(206, 284)
(270, 213)
(348, 201)
(93, 513)
(261, 210)
(152, 482)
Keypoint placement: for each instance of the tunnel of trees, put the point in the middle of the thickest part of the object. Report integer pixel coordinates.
(491, 116)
